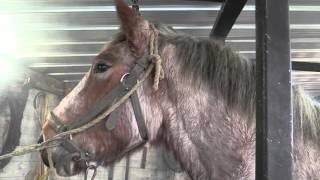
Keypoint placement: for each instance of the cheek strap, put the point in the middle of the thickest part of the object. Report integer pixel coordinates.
(112, 120)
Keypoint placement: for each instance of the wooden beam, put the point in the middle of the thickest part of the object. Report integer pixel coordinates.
(42, 82)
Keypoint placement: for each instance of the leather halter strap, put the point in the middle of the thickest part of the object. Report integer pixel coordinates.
(129, 80)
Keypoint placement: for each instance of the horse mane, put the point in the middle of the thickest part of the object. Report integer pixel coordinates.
(306, 112)
(232, 77)
(225, 72)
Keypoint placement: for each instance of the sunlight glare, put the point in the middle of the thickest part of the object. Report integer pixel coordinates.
(8, 48)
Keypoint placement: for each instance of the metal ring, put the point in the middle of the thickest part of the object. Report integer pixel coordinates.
(91, 167)
(122, 78)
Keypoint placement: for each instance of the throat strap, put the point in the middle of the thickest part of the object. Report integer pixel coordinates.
(139, 116)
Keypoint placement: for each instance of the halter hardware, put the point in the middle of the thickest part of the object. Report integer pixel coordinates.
(90, 167)
(123, 77)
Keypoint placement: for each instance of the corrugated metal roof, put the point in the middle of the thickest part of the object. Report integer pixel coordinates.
(60, 37)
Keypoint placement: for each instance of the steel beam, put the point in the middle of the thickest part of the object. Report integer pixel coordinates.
(229, 12)
(306, 66)
(274, 133)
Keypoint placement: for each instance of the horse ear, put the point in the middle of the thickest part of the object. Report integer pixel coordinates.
(132, 25)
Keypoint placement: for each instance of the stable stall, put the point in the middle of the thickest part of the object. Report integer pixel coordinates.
(49, 46)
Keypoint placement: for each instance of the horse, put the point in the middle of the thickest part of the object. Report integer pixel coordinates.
(198, 102)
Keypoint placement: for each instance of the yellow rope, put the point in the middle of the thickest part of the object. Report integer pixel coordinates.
(51, 168)
(156, 59)
(41, 172)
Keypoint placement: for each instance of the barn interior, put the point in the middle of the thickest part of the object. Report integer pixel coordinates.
(48, 45)
(60, 38)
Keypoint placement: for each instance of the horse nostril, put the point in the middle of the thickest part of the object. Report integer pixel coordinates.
(40, 140)
(44, 157)
(75, 157)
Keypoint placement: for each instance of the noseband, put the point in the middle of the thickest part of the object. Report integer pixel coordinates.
(127, 82)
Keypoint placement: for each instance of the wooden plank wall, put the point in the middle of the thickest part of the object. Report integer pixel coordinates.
(19, 167)
(4, 117)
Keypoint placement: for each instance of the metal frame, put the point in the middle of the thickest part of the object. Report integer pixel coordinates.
(274, 133)
(306, 66)
(229, 12)
(274, 125)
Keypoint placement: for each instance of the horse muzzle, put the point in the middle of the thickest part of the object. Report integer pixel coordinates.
(65, 163)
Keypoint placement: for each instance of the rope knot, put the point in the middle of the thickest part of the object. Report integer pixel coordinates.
(158, 73)
(155, 57)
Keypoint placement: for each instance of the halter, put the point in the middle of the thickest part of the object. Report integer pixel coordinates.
(127, 82)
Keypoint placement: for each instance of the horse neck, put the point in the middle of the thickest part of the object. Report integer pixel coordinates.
(158, 106)
(178, 92)
(193, 116)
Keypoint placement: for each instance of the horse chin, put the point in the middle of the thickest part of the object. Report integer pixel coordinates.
(70, 168)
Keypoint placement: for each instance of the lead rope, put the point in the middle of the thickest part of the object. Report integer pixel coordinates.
(51, 167)
(155, 57)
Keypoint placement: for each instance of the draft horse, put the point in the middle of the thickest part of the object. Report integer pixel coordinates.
(203, 109)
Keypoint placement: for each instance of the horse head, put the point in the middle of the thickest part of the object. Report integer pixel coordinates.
(100, 88)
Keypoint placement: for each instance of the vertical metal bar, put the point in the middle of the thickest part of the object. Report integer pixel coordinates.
(127, 167)
(306, 66)
(274, 133)
(111, 172)
(144, 158)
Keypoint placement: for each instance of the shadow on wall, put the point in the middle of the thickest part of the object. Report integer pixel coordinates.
(12, 104)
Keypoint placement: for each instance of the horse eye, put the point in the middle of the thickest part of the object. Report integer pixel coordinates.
(101, 67)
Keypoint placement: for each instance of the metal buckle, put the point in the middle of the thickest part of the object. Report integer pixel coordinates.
(123, 79)
(90, 167)
(124, 76)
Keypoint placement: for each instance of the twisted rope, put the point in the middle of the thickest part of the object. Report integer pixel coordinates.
(29, 149)
(56, 140)
(155, 57)
(41, 172)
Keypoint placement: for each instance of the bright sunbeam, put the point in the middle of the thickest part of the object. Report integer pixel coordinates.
(8, 47)
(7, 69)
(21, 38)
(8, 35)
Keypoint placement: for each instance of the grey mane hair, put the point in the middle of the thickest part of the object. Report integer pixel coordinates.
(307, 113)
(232, 77)
(206, 62)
